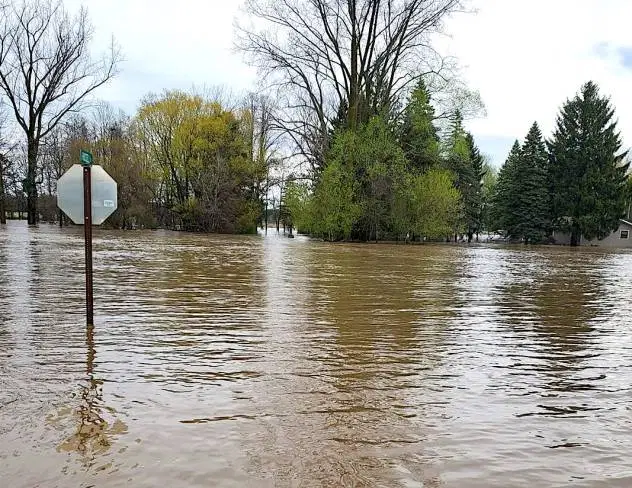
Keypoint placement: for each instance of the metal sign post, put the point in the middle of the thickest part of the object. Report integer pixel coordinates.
(88, 196)
(86, 162)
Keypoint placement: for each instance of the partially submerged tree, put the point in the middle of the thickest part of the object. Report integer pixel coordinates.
(47, 72)
(4, 169)
(263, 141)
(506, 192)
(533, 203)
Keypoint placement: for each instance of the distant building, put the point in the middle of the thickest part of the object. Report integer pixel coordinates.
(620, 238)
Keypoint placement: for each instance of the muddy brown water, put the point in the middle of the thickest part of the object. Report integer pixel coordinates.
(263, 361)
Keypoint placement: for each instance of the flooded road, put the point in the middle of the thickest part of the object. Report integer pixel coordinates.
(269, 362)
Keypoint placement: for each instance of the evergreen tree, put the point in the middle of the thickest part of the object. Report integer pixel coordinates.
(490, 178)
(504, 201)
(457, 161)
(419, 138)
(465, 161)
(531, 198)
(473, 194)
(587, 169)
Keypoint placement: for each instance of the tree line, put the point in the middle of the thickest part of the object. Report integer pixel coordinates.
(576, 183)
(183, 161)
(359, 133)
(395, 179)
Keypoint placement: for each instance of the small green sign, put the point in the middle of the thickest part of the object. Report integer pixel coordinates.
(86, 158)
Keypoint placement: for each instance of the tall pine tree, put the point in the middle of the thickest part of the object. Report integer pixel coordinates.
(465, 161)
(531, 211)
(587, 168)
(505, 201)
(473, 194)
(419, 138)
(457, 160)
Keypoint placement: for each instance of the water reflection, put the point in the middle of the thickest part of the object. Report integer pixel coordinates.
(347, 360)
(97, 426)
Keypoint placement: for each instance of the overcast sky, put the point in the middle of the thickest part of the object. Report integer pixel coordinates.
(525, 57)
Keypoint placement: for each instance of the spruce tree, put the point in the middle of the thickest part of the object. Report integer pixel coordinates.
(473, 194)
(587, 168)
(531, 199)
(419, 138)
(457, 161)
(465, 161)
(504, 203)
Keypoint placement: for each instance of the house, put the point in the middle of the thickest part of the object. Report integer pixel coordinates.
(620, 238)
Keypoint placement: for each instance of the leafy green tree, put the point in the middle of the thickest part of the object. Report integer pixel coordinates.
(464, 160)
(587, 167)
(457, 161)
(378, 165)
(419, 137)
(299, 206)
(334, 206)
(199, 156)
(436, 204)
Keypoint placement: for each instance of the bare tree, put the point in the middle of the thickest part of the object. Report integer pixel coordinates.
(325, 54)
(47, 72)
(265, 142)
(6, 165)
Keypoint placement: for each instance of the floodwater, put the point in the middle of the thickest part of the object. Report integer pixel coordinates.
(258, 361)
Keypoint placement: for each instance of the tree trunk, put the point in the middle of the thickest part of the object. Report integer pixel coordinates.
(30, 185)
(265, 217)
(575, 236)
(354, 90)
(3, 212)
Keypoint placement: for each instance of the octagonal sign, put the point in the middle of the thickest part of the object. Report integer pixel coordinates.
(70, 194)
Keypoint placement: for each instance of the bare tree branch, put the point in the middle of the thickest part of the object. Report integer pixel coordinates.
(47, 73)
(325, 54)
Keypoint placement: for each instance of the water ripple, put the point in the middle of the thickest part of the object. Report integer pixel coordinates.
(265, 361)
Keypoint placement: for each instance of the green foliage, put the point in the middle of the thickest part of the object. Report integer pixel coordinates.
(298, 202)
(377, 164)
(419, 138)
(490, 179)
(587, 168)
(201, 162)
(465, 161)
(436, 204)
(522, 202)
(473, 191)
(334, 203)
(370, 191)
(507, 188)
(532, 205)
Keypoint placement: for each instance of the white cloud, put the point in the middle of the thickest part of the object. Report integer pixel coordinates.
(168, 44)
(526, 57)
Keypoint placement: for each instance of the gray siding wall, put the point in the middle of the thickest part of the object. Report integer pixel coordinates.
(613, 240)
